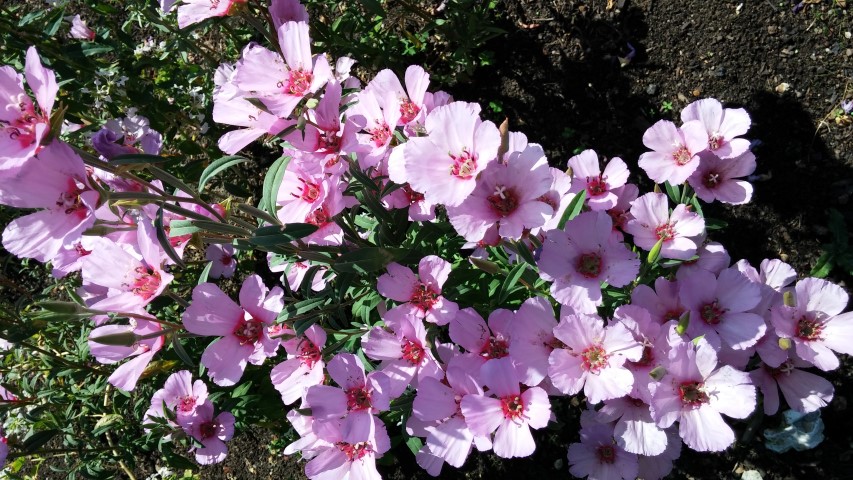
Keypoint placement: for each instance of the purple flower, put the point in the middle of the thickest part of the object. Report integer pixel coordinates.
(211, 431)
(653, 222)
(597, 455)
(422, 293)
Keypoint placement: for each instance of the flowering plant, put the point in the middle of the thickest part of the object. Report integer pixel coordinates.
(532, 284)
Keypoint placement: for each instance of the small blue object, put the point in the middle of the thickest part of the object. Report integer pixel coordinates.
(801, 431)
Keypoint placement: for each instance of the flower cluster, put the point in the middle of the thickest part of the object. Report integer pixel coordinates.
(660, 350)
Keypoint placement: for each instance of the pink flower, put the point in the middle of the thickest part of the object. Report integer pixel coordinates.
(511, 412)
(211, 431)
(713, 258)
(280, 84)
(404, 351)
(659, 466)
(483, 342)
(597, 456)
(304, 367)
(557, 197)
(717, 178)
(376, 117)
(411, 100)
(583, 256)
(803, 391)
(222, 261)
(652, 222)
(422, 294)
(815, 324)
(445, 163)
(134, 274)
(662, 302)
(243, 327)
(180, 395)
(599, 186)
(121, 136)
(54, 181)
(695, 392)
(532, 339)
(80, 30)
(147, 341)
(194, 11)
(508, 195)
(593, 358)
(722, 126)
(635, 430)
(719, 307)
(243, 113)
(294, 273)
(674, 156)
(352, 452)
(22, 127)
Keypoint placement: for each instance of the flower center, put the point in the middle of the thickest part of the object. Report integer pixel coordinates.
(665, 232)
(186, 404)
(310, 191)
(298, 82)
(594, 359)
(597, 186)
(413, 196)
(226, 259)
(512, 407)
(691, 394)
(408, 111)
(589, 265)
(147, 282)
(329, 142)
(464, 165)
(716, 141)
(208, 430)
(358, 398)
(413, 352)
(711, 313)
(355, 451)
(309, 353)
(495, 348)
(711, 179)
(380, 135)
(682, 156)
(504, 201)
(423, 297)
(606, 454)
(809, 329)
(249, 331)
(319, 217)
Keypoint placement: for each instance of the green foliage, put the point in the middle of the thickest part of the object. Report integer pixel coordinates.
(837, 253)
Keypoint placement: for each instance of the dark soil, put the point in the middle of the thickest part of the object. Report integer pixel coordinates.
(558, 78)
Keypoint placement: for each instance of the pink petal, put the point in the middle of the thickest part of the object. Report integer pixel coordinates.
(225, 360)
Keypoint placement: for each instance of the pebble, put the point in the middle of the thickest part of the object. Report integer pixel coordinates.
(772, 29)
(652, 89)
(751, 475)
(782, 87)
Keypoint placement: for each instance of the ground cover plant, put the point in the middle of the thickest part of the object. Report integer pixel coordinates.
(427, 279)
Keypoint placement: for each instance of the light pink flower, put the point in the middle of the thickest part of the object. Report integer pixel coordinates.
(352, 452)
(717, 178)
(404, 351)
(695, 392)
(659, 466)
(376, 118)
(585, 255)
(221, 257)
(211, 431)
(445, 163)
(635, 430)
(662, 302)
(194, 11)
(510, 411)
(80, 30)
(22, 127)
(149, 342)
(54, 181)
(593, 358)
(411, 99)
(815, 324)
(673, 158)
(508, 195)
(723, 126)
(720, 307)
(180, 395)
(304, 367)
(243, 327)
(241, 112)
(483, 342)
(422, 293)
(713, 258)
(283, 11)
(587, 175)
(803, 391)
(532, 339)
(294, 273)
(597, 456)
(652, 222)
(557, 197)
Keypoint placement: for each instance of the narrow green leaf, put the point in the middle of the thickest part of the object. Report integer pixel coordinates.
(139, 158)
(181, 352)
(219, 227)
(823, 266)
(273, 235)
(258, 213)
(510, 281)
(179, 228)
(415, 444)
(368, 259)
(217, 166)
(202, 278)
(654, 253)
(163, 239)
(673, 192)
(38, 439)
(170, 179)
(272, 182)
(573, 209)
(715, 224)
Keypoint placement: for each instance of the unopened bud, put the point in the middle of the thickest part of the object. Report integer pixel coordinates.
(657, 373)
(312, 103)
(122, 339)
(683, 322)
(63, 307)
(785, 343)
(788, 299)
(485, 265)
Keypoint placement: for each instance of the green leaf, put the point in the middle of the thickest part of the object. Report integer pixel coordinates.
(415, 444)
(163, 239)
(219, 227)
(573, 209)
(258, 213)
(715, 224)
(181, 352)
(138, 158)
(654, 253)
(205, 273)
(38, 439)
(54, 21)
(217, 166)
(368, 259)
(273, 235)
(823, 266)
(301, 325)
(178, 461)
(300, 308)
(673, 192)
(170, 179)
(106, 422)
(510, 281)
(272, 182)
(179, 228)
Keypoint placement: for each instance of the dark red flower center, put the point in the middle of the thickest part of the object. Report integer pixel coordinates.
(298, 82)
(309, 353)
(355, 451)
(186, 404)
(358, 398)
(606, 454)
(809, 328)
(594, 359)
(413, 352)
(319, 217)
(495, 348)
(380, 135)
(147, 282)
(692, 394)
(666, 232)
(589, 265)
(464, 165)
(408, 111)
(711, 313)
(597, 186)
(711, 179)
(504, 201)
(512, 406)
(249, 331)
(682, 156)
(208, 430)
(423, 297)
